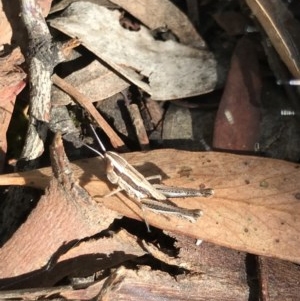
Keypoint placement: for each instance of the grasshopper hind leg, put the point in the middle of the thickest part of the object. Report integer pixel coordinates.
(143, 208)
(137, 202)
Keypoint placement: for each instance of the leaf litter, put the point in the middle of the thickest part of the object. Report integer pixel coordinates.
(250, 212)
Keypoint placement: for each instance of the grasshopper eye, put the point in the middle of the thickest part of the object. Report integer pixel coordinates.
(109, 166)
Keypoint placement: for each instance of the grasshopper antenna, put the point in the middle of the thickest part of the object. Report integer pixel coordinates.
(99, 142)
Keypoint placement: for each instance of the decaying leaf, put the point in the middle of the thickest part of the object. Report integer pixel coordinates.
(169, 70)
(164, 14)
(237, 122)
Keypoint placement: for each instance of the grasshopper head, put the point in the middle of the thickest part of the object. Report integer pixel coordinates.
(115, 166)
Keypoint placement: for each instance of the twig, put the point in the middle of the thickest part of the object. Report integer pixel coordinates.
(86, 103)
(137, 122)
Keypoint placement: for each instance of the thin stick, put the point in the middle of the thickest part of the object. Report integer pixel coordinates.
(86, 103)
(138, 123)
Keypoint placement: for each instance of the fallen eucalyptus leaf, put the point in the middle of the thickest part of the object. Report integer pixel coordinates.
(282, 29)
(170, 70)
(255, 207)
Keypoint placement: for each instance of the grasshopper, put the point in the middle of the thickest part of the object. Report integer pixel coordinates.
(146, 195)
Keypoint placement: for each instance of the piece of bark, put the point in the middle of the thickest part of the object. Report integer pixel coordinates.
(40, 69)
(33, 294)
(10, 73)
(217, 274)
(248, 192)
(238, 119)
(276, 271)
(82, 258)
(222, 278)
(64, 215)
(62, 122)
(156, 285)
(43, 56)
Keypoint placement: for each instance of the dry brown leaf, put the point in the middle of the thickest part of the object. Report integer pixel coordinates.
(45, 6)
(11, 84)
(11, 27)
(5, 27)
(255, 207)
(282, 29)
(170, 70)
(163, 13)
(237, 122)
